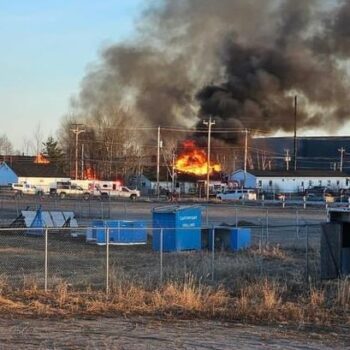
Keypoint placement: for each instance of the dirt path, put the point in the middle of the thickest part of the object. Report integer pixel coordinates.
(141, 333)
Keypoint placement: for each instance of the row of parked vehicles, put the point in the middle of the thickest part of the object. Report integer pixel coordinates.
(316, 193)
(63, 190)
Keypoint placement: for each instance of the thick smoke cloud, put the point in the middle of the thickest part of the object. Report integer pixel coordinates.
(241, 61)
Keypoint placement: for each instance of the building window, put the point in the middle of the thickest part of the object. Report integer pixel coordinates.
(310, 182)
(270, 183)
(347, 182)
(329, 182)
(302, 183)
(338, 182)
(320, 182)
(259, 183)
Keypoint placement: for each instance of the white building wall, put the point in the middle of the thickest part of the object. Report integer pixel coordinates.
(290, 184)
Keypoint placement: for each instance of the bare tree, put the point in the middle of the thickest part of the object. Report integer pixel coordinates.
(38, 138)
(6, 147)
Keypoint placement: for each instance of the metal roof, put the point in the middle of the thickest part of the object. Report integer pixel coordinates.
(29, 169)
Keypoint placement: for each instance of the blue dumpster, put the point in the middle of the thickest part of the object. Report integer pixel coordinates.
(181, 228)
(120, 231)
(230, 238)
(240, 238)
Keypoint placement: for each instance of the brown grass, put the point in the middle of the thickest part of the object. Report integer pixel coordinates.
(252, 286)
(262, 301)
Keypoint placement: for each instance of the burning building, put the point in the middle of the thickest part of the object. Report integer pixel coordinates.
(194, 160)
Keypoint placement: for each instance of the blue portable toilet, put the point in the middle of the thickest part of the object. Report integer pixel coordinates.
(181, 228)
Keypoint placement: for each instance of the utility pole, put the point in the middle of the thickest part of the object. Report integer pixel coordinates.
(173, 171)
(234, 161)
(77, 131)
(287, 158)
(295, 131)
(341, 150)
(245, 155)
(159, 146)
(209, 123)
(82, 161)
(245, 150)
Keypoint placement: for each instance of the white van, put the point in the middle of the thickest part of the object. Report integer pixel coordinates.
(237, 194)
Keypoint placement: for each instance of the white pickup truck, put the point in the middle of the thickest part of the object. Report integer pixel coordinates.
(122, 192)
(67, 189)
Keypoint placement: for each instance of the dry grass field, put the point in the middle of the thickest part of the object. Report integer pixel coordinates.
(267, 286)
(259, 286)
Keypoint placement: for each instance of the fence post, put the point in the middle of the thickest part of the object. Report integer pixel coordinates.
(46, 259)
(207, 215)
(267, 226)
(107, 260)
(161, 256)
(297, 222)
(307, 253)
(304, 199)
(261, 235)
(263, 200)
(236, 215)
(212, 252)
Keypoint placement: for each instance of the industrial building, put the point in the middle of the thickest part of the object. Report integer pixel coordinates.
(289, 181)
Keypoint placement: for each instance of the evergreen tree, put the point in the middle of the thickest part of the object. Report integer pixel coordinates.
(53, 152)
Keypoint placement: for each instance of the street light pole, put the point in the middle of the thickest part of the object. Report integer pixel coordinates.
(209, 123)
(77, 131)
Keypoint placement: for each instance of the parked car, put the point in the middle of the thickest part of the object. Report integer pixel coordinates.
(237, 194)
(281, 196)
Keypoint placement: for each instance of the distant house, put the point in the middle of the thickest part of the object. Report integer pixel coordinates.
(184, 183)
(290, 181)
(24, 170)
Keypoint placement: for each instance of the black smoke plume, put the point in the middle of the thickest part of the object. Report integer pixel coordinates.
(240, 61)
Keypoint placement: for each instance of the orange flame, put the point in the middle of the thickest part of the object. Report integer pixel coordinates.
(40, 159)
(90, 174)
(193, 160)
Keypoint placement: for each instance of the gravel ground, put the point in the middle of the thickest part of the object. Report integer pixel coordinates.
(143, 333)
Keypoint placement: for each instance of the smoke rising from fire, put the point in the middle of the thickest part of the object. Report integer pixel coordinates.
(241, 61)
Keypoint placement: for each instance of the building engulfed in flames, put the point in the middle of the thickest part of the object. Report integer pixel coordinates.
(193, 160)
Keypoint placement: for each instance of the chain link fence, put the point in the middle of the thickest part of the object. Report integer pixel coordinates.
(285, 241)
(45, 258)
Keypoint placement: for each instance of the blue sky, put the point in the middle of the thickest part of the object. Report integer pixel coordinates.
(46, 46)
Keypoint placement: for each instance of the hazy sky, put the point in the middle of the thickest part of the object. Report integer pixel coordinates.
(46, 46)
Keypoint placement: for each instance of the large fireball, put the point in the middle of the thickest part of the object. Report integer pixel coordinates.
(193, 160)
